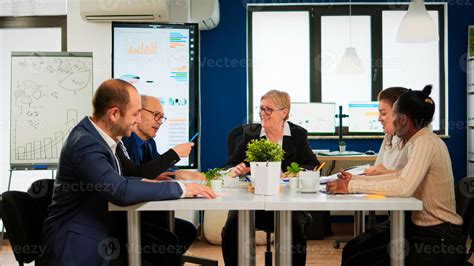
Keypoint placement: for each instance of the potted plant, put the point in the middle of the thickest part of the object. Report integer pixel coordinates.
(342, 146)
(213, 174)
(292, 173)
(293, 170)
(265, 162)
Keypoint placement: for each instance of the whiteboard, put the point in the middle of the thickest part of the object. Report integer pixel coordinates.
(50, 93)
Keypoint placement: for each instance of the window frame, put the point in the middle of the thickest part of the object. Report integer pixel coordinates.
(375, 11)
(38, 22)
(34, 22)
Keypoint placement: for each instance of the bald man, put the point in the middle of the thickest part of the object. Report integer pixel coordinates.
(141, 149)
(141, 146)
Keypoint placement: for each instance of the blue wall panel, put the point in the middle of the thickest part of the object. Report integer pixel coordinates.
(224, 83)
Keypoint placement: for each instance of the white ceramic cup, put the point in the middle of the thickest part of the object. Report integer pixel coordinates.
(309, 180)
(294, 182)
(216, 185)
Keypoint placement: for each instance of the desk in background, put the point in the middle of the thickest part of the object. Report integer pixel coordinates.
(335, 163)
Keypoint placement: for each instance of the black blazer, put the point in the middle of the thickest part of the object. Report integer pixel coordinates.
(296, 147)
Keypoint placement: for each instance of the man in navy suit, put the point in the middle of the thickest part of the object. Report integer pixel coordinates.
(141, 150)
(79, 229)
(141, 145)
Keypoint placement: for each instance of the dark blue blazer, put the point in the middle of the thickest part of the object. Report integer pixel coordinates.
(79, 224)
(153, 163)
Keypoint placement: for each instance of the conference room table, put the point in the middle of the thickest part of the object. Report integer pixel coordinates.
(229, 199)
(285, 202)
(292, 200)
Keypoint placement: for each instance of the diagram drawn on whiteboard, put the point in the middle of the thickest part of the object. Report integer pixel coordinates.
(51, 92)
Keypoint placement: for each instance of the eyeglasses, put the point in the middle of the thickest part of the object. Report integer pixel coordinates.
(157, 116)
(268, 110)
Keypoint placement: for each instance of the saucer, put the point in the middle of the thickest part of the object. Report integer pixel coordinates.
(305, 190)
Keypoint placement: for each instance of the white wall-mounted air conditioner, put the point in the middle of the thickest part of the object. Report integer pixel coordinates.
(204, 12)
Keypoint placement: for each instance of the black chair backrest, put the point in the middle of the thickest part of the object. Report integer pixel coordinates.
(42, 191)
(465, 204)
(236, 133)
(23, 215)
(24, 228)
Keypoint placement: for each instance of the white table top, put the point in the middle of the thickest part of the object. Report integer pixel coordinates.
(293, 200)
(229, 199)
(240, 199)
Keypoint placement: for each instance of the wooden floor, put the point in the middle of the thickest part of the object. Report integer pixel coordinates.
(320, 252)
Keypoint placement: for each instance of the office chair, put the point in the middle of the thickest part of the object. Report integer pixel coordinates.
(23, 214)
(464, 192)
(236, 133)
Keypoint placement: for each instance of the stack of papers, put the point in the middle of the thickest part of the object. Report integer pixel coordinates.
(340, 153)
(355, 170)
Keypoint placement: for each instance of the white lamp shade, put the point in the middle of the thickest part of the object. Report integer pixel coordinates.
(417, 26)
(350, 63)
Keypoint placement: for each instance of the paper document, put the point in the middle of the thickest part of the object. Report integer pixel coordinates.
(340, 153)
(355, 170)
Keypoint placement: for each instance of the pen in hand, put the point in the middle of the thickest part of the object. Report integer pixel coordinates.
(344, 175)
(195, 135)
(320, 167)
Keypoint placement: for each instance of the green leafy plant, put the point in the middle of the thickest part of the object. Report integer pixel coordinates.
(292, 170)
(342, 143)
(263, 150)
(212, 174)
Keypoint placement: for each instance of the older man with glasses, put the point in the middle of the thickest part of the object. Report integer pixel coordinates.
(141, 146)
(141, 150)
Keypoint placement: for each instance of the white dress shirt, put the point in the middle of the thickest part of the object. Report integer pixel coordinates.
(286, 132)
(113, 147)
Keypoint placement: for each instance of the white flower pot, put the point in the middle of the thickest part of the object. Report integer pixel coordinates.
(266, 177)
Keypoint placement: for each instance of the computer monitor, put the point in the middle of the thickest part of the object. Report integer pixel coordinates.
(316, 118)
(363, 117)
(162, 60)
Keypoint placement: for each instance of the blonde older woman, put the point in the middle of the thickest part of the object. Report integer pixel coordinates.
(274, 110)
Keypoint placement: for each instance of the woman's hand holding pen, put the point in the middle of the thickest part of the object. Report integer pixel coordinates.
(344, 175)
(339, 186)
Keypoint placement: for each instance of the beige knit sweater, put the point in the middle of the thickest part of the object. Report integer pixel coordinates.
(427, 176)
